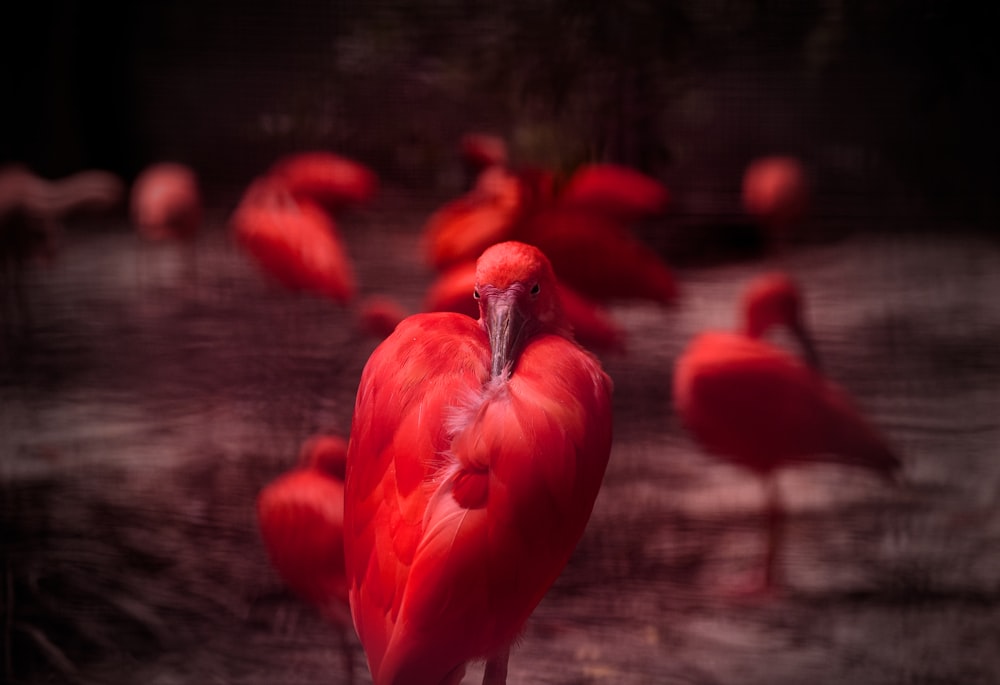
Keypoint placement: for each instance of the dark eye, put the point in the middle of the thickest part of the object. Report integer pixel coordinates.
(475, 294)
(537, 289)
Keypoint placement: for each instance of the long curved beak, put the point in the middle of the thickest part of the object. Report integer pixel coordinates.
(809, 352)
(504, 324)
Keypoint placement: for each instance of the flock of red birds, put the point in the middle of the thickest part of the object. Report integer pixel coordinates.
(482, 427)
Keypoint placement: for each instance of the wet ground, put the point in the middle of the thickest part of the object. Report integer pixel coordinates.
(154, 392)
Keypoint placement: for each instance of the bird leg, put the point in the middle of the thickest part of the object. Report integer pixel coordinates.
(496, 668)
(775, 515)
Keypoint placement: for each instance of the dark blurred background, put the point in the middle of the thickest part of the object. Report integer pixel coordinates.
(880, 98)
(155, 390)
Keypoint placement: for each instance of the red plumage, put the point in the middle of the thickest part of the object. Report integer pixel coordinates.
(301, 517)
(754, 404)
(598, 256)
(477, 450)
(333, 181)
(619, 191)
(593, 325)
(301, 520)
(166, 203)
(296, 243)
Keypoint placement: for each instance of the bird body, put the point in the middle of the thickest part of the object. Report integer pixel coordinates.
(584, 231)
(296, 243)
(300, 516)
(776, 193)
(333, 181)
(166, 203)
(461, 229)
(598, 256)
(301, 519)
(619, 191)
(477, 451)
(754, 404)
(32, 212)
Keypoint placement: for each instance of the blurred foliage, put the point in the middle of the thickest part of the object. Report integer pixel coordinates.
(229, 86)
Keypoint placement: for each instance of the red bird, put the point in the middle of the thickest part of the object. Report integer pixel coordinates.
(461, 229)
(477, 451)
(618, 191)
(593, 326)
(754, 404)
(294, 242)
(32, 212)
(776, 193)
(301, 521)
(481, 151)
(330, 180)
(598, 256)
(166, 203)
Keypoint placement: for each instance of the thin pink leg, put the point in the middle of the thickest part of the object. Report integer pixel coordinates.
(775, 532)
(496, 669)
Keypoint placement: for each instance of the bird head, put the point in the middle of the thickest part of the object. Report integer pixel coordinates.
(774, 300)
(516, 290)
(325, 452)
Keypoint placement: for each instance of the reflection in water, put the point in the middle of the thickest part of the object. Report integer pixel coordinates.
(140, 420)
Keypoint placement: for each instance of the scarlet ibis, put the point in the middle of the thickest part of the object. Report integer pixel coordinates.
(166, 202)
(32, 210)
(462, 228)
(483, 149)
(585, 232)
(593, 326)
(620, 191)
(295, 242)
(754, 404)
(776, 193)
(598, 256)
(480, 151)
(301, 516)
(301, 520)
(333, 181)
(52, 201)
(477, 450)
(488, 214)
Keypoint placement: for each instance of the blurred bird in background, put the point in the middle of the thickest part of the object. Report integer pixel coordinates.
(32, 213)
(301, 520)
(752, 403)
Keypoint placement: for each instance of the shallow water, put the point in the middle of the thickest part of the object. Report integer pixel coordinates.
(154, 392)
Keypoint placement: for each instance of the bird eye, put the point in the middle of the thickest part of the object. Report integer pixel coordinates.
(475, 293)
(536, 289)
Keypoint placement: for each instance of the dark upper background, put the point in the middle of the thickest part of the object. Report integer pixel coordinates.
(879, 97)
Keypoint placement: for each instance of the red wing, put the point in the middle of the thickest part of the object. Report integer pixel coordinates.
(296, 244)
(331, 180)
(540, 445)
(301, 516)
(758, 405)
(398, 439)
(461, 229)
(598, 256)
(617, 190)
